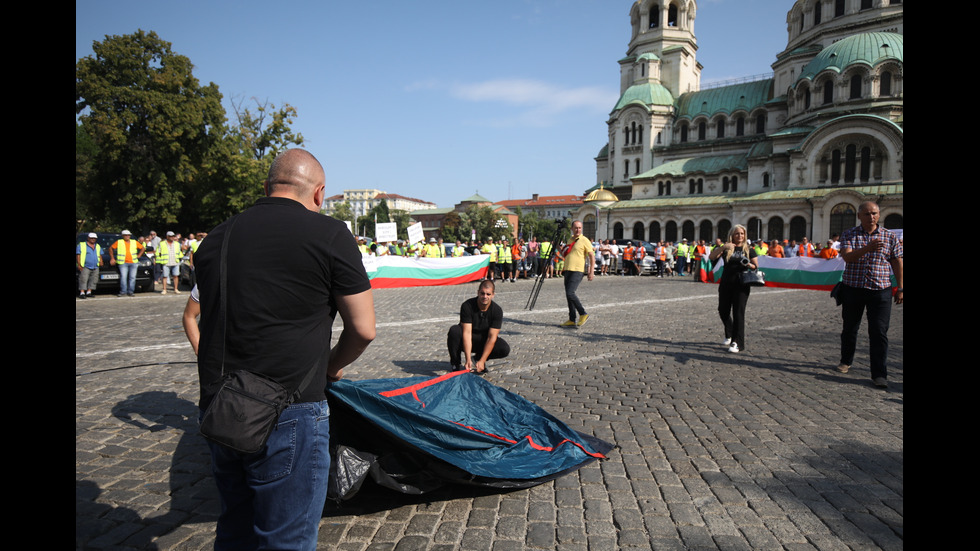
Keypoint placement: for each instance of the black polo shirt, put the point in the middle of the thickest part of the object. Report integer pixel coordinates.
(285, 265)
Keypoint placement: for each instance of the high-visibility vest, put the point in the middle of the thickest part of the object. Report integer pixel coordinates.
(545, 248)
(458, 250)
(491, 250)
(164, 252)
(121, 250)
(503, 253)
(628, 252)
(83, 247)
(805, 249)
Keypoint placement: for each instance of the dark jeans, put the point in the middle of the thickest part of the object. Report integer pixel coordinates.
(454, 341)
(572, 279)
(732, 299)
(878, 304)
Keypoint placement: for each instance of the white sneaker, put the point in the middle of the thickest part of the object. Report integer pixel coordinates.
(733, 347)
(727, 342)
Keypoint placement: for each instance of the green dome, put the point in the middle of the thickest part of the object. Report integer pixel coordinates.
(645, 94)
(869, 49)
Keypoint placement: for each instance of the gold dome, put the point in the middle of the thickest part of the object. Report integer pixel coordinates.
(601, 194)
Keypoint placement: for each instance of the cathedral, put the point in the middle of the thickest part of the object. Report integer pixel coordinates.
(789, 155)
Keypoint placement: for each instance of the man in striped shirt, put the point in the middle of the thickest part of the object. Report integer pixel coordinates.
(871, 253)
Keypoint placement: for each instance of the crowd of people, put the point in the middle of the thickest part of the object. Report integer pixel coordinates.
(166, 254)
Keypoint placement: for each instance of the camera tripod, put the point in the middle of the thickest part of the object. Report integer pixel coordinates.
(539, 282)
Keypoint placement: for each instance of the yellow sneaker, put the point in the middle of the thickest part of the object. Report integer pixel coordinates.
(568, 323)
(582, 319)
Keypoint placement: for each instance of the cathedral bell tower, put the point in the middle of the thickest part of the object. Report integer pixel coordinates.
(664, 28)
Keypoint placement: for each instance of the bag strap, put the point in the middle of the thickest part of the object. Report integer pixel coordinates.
(223, 282)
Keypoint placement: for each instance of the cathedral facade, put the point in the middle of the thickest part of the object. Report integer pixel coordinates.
(788, 155)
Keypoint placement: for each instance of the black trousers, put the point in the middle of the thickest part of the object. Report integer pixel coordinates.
(732, 299)
(455, 344)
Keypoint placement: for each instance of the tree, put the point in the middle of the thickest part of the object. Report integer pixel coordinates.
(154, 126)
(344, 212)
(267, 132)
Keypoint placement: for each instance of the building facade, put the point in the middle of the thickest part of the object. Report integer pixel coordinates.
(363, 200)
(788, 155)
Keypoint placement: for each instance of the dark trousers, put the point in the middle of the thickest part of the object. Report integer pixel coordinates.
(572, 279)
(454, 340)
(732, 299)
(878, 305)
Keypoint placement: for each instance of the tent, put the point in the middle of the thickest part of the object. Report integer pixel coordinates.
(418, 434)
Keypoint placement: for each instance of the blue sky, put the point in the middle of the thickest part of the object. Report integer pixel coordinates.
(436, 99)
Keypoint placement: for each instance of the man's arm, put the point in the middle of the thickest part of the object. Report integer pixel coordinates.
(897, 269)
(357, 311)
(468, 344)
(481, 364)
(591, 265)
(191, 311)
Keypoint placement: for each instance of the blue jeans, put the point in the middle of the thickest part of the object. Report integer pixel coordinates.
(127, 278)
(878, 305)
(273, 499)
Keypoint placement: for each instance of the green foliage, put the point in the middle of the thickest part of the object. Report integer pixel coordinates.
(366, 223)
(344, 212)
(486, 223)
(152, 145)
(153, 124)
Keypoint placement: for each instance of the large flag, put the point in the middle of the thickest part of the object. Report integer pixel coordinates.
(798, 272)
(397, 271)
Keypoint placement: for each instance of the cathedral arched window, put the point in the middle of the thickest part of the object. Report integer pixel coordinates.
(654, 16)
(684, 133)
(856, 87)
(806, 98)
(636, 164)
(828, 91)
(885, 84)
(720, 125)
(760, 123)
(842, 217)
(817, 9)
(740, 126)
(702, 131)
(638, 231)
(838, 8)
(672, 15)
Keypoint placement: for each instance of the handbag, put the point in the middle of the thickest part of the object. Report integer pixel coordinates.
(752, 278)
(246, 408)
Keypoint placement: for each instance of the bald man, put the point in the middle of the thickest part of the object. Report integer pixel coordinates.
(288, 271)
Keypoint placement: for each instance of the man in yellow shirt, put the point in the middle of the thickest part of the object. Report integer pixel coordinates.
(579, 262)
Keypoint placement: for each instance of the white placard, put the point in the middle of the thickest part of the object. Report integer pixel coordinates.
(385, 232)
(347, 223)
(415, 233)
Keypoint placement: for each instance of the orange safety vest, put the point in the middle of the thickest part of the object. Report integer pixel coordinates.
(628, 253)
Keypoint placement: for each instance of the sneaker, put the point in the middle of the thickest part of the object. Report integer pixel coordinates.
(568, 323)
(880, 382)
(727, 342)
(843, 368)
(733, 348)
(582, 319)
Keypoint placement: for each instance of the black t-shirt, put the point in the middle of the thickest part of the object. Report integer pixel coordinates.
(285, 265)
(734, 266)
(482, 322)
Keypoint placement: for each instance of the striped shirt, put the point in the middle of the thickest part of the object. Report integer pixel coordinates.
(873, 270)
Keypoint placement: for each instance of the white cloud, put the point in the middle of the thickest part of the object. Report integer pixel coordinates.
(541, 103)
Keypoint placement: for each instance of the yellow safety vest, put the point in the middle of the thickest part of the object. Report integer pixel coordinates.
(503, 253)
(164, 252)
(83, 247)
(121, 251)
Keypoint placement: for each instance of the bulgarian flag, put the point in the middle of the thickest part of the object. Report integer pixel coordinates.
(396, 271)
(798, 272)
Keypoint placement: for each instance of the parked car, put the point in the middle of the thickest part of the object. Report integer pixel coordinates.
(109, 274)
(648, 265)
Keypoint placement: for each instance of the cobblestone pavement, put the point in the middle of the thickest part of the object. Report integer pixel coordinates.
(770, 448)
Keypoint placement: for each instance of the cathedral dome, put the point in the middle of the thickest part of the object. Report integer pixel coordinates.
(868, 49)
(645, 94)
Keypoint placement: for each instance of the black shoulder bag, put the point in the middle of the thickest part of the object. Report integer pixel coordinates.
(245, 410)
